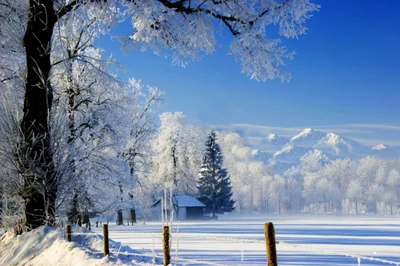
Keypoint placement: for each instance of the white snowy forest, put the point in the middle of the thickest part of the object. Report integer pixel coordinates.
(311, 181)
(76, 138)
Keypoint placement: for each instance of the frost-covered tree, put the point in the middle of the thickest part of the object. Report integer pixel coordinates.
(391, 194)
(264, 196)
(339, 174)
(99, 128)
(108, 150)
(293, 189)
(277, 193)
(142, 103)
(176, 155)
(81, 129)
(366, 174)
(186, 27)
(311, 162)
(324, 189)
(214, 185)
(257, 173)
(354, 195)
(236, 159)
(250, 178)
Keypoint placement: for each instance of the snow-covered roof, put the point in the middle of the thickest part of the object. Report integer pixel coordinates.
(184, 201)
(187, 201)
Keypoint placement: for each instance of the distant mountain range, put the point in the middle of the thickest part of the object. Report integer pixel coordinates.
(283, 153)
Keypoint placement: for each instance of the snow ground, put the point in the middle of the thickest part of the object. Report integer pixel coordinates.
(232, 240)
(302, 240)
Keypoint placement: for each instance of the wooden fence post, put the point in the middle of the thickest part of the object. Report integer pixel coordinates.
(269, 232)
(105, 238)
(68, 232)
(167, 256)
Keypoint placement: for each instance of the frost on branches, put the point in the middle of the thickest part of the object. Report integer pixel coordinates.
(37, 58)
(176, 155)
(187, 28)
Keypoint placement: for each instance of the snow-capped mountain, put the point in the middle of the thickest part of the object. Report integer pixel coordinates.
(283, 153)
(386, 151)
(307, 138)
(308, 163)
(290, 153)
(342, 147)
(316, 156)
(274, 143)
(379, 147)
(261, 155)
(277, 139)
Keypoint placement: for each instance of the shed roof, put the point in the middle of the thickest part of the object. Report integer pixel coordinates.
(184, 201)
(187, 201)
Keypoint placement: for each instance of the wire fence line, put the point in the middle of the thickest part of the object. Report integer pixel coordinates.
(306, 247)
(358, 257)
(282, 243)
(116, 251)
(228, 239)
(175, 259)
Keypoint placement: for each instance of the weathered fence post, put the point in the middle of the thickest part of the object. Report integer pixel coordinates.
(68, 232)
(105, 238)
(269, 232)
(167, 256)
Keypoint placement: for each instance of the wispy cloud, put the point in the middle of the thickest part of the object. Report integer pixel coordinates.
(265, 130)
(395, 127)
(357, 128)
(373, 142)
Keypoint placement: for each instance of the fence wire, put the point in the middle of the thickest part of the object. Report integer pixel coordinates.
(229, 239)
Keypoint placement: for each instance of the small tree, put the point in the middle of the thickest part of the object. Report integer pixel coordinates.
(214, 184)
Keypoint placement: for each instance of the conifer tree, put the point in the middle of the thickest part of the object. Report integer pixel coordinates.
(214, 184)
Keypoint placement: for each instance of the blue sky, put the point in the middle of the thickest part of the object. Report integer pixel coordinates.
(346, 78)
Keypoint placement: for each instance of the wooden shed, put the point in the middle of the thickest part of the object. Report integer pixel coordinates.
(184, 208)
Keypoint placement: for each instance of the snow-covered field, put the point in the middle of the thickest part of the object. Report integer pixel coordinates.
(302, 240)
(238, 240)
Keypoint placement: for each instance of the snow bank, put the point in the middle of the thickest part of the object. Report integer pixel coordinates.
(47, 246)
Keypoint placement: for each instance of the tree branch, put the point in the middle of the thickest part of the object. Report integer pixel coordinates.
(73, 5)
(179, 6)
(66, 9)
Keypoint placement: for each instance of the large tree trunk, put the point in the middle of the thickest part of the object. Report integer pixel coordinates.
(40, 186)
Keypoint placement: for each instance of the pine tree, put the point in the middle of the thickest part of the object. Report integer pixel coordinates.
(214, 184)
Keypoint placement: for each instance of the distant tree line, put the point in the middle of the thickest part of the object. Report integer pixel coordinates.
(368, 185)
